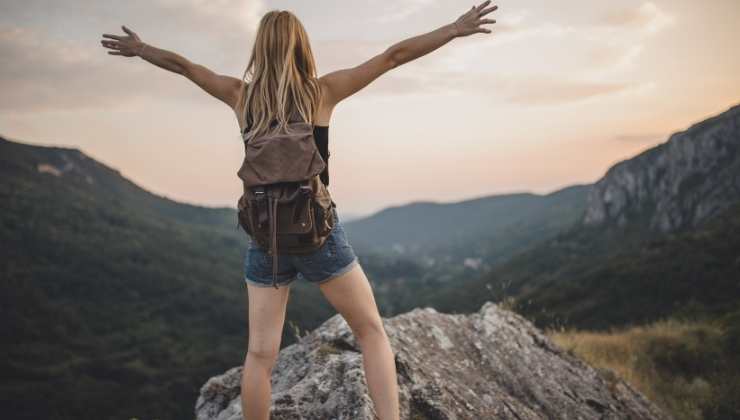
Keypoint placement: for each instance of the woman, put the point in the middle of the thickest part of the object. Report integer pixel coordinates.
(282, 69)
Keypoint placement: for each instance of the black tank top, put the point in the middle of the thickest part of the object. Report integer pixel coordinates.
(321, 138)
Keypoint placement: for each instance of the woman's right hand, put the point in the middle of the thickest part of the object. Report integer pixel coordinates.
(469, 22)
(127, 46)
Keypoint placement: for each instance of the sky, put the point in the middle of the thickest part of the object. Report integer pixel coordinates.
(555, 95)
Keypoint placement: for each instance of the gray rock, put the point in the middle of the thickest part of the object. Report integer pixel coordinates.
(677, 184)
(493, 364)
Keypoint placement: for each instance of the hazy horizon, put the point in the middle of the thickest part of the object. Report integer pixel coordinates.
(552, 98)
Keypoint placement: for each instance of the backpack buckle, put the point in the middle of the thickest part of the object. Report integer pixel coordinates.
(305, 190)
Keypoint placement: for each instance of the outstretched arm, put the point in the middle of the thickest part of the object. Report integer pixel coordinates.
(224, 88)
(343, 83)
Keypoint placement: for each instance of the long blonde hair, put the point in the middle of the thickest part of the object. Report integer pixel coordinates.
(282, 75)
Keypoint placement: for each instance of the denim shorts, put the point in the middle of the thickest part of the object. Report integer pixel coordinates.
(335, 257)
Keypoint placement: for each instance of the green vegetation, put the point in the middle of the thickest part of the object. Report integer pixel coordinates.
(689, 368)
(116, 303)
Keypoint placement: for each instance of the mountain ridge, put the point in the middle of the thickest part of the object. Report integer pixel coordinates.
(675, 184)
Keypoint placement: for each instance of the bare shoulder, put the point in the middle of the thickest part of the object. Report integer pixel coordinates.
(220, 86)
(323, 113)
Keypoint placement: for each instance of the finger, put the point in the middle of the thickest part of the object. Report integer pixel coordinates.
(482, 21)
(482, 5)
(483, 30)
(489, 10)
(118, 37)
(110, 44)
(115, 53)
(127, 30)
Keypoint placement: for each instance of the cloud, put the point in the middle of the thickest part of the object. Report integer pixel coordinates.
(335, 54)
(648, 17)
(247, 13)
(529, 90)
(224, 23)
(402, 9)
(42, 69)
(41, 73)
(547, 91)
(615, 56)
(537, 89)
(510, 22)
(49, 67)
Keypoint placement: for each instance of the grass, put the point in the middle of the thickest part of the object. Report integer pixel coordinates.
(683, 366)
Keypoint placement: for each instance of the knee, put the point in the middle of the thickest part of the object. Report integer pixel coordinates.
(264, 357)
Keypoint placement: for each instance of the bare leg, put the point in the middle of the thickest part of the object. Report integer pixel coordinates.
(351, 295)
(266, 318)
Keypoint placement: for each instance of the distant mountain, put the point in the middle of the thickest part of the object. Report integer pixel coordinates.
(116, 302)
(408, 250)
(490, 228)
(659, 237)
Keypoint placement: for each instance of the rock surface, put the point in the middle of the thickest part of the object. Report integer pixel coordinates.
(677, 184)
(493, 364)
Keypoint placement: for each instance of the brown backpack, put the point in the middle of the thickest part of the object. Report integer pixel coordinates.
(285, 207)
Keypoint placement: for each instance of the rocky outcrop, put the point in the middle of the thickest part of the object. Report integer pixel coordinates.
(678, 184)
(492, 364)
